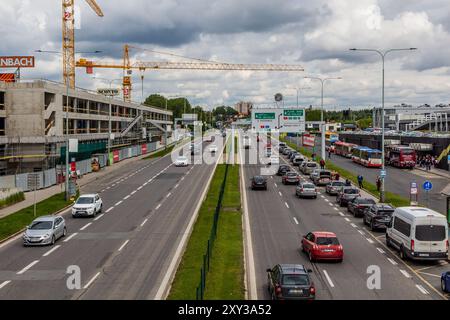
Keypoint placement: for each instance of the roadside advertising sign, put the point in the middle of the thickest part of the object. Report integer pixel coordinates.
(17, 62)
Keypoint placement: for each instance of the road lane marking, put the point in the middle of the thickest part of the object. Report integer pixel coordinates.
(276, 186)
(370, 240)
(353, 225)
(381, 251)
(125, 198)
(405, 273)
(123, 245)
(91, 281)
(133, 192)
(326, 200)
(103, 190)
(322, 196)
(144, 222)
(139, 188)
(146, 183)
(422, 289)
(50, 251)
(361, 232)
(392, 261)
(287, 206)
(177, 185)
(169, 194)
(86, 226)
(109, 209)
(158, 206)
(328, 278)
(4, 284)
(280, 193)
(347, 219)
(118, 203)
(430, 274)
(331, 205)
(28, 267)
(182, 179)
(341, 214)
(295, 220)
(70, 237)
(99, 217)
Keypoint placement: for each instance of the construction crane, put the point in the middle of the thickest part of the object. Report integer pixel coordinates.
(68, 38)
(163, 65)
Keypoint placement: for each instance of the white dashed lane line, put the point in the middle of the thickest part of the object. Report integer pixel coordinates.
(347, 219)
(133, 192)
(168, 195)
(99, 217)
(361, 232)
(392, 261)
(125, 198)
(280, 193)
(2, 285)
(405, 273)
(381, 251)
(353, 225)
(326, 200)
(370, 240)
(109, 209)
(158, 206)
(92, 280)
(123, 245)
(144, 222)
(295, 220)
(118, 203)
(50, 251)
(70, 237)
(328, 278)
(139, 188)
(341, 214)
(422, 289)
(276, 186)
(28, 267)
(287, 206)
(83, 228)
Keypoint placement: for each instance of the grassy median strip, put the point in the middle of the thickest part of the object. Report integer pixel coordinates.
(225, 278)
(392, 198)
(161, 153)
(15, 222)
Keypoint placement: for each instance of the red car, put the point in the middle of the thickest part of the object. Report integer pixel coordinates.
(320, 245)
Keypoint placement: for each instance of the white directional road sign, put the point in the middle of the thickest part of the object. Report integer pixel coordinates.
(284, 120)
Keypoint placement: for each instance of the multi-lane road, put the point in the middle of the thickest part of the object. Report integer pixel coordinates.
(278, 219)
(125, 253)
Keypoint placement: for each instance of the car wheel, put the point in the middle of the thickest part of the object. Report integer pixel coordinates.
(53, 240)
(101, 208)
(402, 253)
(311, 257)
(372, 226)
(315, 197)
(388, 241)
(64, 232)
(443, 285)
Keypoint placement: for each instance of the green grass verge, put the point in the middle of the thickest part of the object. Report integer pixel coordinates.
(12, 199)
(225, 280)
(17, 221)
(392, 198)
(236, 145)
(161, 153)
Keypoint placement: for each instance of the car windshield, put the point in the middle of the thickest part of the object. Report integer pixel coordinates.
(259, 179)
(351, 191)
(324, 241)
(311, 165)
(385, 212)
(85, 200)
(338, 184)
(41, 225)
(296, 280)
(366, 201)
(309, 186)
(430, 233)
(291, 174)
(182, 158)
(325, 174)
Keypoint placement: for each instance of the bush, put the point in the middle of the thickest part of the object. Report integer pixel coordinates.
(12, 199)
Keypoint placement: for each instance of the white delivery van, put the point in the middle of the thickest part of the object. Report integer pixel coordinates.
(418, 233)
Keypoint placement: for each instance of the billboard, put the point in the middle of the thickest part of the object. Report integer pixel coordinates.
(17, 62)
(285, 120)
(108, 92)
(308, 140)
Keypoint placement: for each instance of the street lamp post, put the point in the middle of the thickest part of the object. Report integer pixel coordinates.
(67, 118)
(322, 81)
(383, 163)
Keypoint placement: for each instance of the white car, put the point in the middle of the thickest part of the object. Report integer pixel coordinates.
(87, 205)
(274, 159)
(181, 162)
(213, 148)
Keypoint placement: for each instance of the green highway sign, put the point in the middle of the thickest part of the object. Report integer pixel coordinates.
(293, 113)
(265, 116)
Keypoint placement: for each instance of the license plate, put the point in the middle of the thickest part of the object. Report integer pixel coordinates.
(424, 255)
(294, 291)
(328, 250)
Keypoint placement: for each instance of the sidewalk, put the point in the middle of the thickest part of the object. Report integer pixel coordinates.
(438, 172)
(86, 179)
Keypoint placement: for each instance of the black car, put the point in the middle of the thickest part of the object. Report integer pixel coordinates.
(378, 216)
(358, 205)
(282, 169)
(346, 194)
(259, 182)
(290, 282)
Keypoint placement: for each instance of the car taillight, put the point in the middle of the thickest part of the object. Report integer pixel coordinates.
(446, 245)
(312, 290)
(340, 248)
(412, 245)
(278, 289)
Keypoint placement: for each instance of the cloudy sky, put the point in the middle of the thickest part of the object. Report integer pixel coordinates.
(313, 34)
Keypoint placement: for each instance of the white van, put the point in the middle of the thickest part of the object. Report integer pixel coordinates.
(418, 233)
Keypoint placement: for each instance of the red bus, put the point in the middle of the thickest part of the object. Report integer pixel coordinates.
(400, 156)
(344, 149)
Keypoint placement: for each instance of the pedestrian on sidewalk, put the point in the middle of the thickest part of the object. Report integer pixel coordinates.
(329, 153)
(378, 183)
(322, 164)
(360, 181)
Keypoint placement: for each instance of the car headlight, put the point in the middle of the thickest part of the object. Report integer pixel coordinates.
(46, 236)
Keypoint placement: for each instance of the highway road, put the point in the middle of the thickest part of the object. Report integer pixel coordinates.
(124, 253)
(278, 220)
(397, 180)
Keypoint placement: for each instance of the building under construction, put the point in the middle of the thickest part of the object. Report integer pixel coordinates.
(33, 131)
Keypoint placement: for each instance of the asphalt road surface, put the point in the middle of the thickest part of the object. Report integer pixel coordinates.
(278, 219)
(397, 180)
(123, 253)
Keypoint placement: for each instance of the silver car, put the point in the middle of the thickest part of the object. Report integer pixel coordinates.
(306, 189)
(45, 231)
(309, 167)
